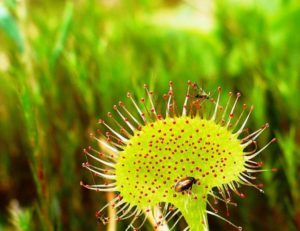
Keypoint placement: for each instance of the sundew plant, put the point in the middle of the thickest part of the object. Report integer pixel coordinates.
(177, 160)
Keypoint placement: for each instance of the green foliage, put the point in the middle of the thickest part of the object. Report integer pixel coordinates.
(63, 65)
(20, 218)
(8, 25)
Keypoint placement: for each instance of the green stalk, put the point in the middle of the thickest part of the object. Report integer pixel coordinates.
(194, 213)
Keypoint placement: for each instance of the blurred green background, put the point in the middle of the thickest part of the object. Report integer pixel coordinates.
(64, 64)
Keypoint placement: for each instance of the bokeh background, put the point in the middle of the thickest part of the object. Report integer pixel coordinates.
(64, 64)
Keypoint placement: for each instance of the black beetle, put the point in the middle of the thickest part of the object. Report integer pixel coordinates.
(185, 184)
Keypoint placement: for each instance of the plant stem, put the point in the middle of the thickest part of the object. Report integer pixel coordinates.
(194, 212)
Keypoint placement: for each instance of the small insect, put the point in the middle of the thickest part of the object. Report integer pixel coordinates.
(185, 184)
(202, 94)
(101, 218)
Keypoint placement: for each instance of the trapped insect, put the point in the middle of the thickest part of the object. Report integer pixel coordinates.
(101, 218)
(201, 94)
(185, 184)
